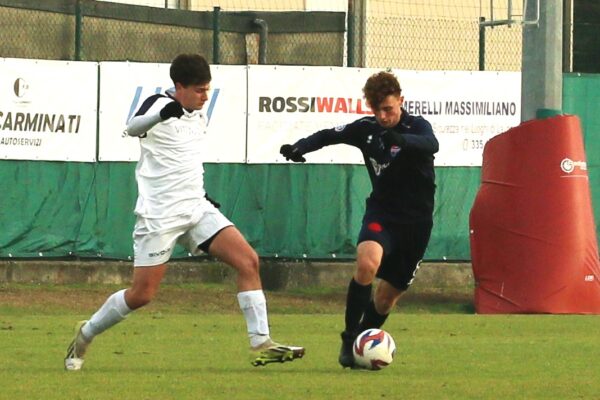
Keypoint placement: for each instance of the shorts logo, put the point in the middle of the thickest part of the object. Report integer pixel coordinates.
(375, 227)
(159, 253)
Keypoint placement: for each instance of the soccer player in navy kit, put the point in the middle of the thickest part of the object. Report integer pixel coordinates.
(172, 207)
(398, 151)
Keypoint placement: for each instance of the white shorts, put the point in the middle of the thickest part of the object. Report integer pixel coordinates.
(154, 239)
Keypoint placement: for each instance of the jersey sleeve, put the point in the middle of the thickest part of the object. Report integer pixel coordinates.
(345, 134)
(422, 137)
(147, 116)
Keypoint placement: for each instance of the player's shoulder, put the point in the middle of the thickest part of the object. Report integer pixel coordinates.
(159, 100)
(365, 122)
(358, 126)
(368, 120)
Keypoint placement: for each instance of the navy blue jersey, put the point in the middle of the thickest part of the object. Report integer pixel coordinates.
(403, 179)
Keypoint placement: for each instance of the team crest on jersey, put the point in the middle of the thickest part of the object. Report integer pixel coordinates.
(394, 150)
(339, 128)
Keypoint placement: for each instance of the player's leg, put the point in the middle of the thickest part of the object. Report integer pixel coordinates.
(385, 298)
(144, 286)
(150, 257)
(216, 235)
(395, 275)
(115, 309)
(397, 272)
(230, 247)
(368, 258)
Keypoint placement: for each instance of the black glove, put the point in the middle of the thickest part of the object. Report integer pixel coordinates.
(171, 110)
(391, 137)
(291, 153)
(212, 201)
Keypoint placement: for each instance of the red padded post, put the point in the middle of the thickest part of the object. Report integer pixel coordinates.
(532, 232)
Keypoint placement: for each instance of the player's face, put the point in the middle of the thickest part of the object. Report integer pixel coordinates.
(389, 111)
(193, 97)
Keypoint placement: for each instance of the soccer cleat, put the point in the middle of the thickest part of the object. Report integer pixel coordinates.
(346, 358)
(270, 352)
(76, 350)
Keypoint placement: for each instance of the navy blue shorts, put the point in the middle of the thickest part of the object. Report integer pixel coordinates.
(403, 247)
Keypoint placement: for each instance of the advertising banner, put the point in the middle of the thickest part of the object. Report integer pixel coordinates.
(125, 86)
(48, 110)
(465, 109)
(252, 110)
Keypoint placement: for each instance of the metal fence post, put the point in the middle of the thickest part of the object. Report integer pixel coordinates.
(568, 36)
(262, 40)
(481, 44)
(541, 76)
(350, 33)
(78, 29)
(216, 34)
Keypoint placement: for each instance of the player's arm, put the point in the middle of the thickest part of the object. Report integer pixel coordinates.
(318, 140)
(148, 116)
(422, 139)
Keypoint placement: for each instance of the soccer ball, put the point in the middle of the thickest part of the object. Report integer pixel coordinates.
(374, 349)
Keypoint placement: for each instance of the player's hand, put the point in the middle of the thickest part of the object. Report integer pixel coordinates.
(171, 110)
(291, 153)
(391, 137)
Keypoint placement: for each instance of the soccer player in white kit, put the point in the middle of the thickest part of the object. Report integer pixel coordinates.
(172, 207)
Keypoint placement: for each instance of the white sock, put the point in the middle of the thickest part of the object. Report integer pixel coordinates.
(254, 307)
(113, 311)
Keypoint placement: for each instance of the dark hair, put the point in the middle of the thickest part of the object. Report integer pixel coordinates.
(379, 86)
(190, 69)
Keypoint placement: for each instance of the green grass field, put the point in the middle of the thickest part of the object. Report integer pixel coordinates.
(180, 349)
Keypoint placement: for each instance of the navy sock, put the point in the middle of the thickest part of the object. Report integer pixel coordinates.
(357, 300)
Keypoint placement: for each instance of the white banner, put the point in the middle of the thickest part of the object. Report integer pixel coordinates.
(288, 103)
(125, 86)
(465, 108)
(48, 110)
(41, 120)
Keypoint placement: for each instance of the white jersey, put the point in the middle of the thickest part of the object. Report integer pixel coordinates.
(169, 173)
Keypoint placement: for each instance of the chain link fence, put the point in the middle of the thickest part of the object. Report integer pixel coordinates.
(102, 31)
(408, 34)
(431, 35)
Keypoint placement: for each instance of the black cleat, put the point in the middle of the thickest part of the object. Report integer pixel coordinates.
(346, 358)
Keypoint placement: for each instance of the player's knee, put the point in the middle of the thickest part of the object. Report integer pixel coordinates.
(249, 264)
(364, 277)
(366, 270)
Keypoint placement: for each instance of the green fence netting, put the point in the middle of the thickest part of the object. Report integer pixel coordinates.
(57, 209)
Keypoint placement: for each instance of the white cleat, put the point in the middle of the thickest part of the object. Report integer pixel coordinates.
(76, 350)
(271, 352)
